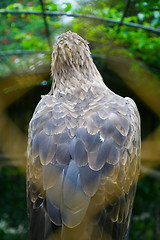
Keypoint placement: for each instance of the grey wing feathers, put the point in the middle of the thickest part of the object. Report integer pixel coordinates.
(81, 160)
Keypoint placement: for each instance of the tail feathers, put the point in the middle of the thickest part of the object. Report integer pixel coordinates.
(37, 224)
(41, 228)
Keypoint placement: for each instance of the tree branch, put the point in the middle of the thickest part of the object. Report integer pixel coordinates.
(46, 24)
(23, 52)
(124, 14)
(88, 16)
(150, 172)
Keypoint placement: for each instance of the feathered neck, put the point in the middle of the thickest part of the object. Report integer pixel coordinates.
(72, 66)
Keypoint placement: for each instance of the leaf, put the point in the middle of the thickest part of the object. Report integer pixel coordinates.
(9, 15)
(67, 6)
(23, 15)
(52, 7)
(140, 16)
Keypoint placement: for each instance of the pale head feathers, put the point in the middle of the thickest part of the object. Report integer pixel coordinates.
(71, 61)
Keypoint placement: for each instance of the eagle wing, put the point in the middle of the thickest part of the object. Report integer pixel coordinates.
(83, 165)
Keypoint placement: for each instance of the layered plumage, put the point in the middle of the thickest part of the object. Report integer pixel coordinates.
(83, 152)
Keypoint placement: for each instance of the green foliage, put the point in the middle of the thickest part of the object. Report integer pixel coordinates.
(27, 31)
(142, 44)
(146, 210)
(13, 209)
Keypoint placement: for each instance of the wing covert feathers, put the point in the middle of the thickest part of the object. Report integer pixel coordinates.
(83, 158)
(69, 161)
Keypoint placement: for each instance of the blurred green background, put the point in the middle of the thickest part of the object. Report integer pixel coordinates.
(124, 38)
